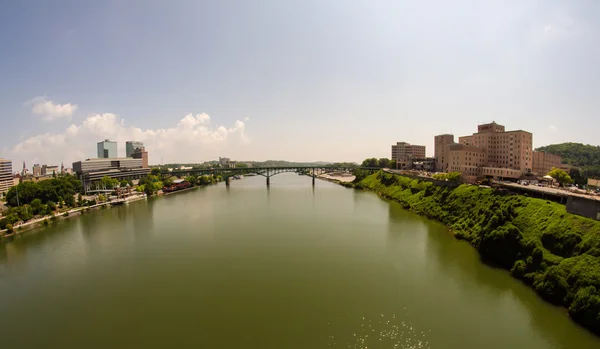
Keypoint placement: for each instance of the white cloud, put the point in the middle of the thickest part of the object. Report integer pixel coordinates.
(192, 139)
(50, 110)
(552, 128)
(547, 28)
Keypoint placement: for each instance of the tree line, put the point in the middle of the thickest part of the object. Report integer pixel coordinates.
(583, 156)
(381, 163)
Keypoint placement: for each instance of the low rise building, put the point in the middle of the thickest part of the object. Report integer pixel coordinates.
(6, 176)
(92, 170)
(543, 162)
(226, 163)
(423, 164)
(403, 152)
(49, 170)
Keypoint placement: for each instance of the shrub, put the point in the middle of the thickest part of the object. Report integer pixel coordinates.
(518, 269)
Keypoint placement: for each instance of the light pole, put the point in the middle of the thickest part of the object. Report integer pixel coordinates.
(17, 189)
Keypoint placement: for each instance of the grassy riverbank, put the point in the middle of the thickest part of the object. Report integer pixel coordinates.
(555, 252)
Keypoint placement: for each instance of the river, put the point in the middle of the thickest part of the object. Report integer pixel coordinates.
(291, 266)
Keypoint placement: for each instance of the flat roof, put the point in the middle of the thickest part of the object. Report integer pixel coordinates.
(108, 159)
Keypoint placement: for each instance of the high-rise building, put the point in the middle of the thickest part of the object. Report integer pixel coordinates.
(107, 149)
(403, 152)
(141, 153)
(6, 176)
(492, 152)
(544, 162)
(131, 146)
(442, 151)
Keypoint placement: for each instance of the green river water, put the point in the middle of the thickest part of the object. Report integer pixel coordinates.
(291, 266)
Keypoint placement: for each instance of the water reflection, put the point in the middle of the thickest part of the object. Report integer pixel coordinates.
(142, 217)
(458, 267)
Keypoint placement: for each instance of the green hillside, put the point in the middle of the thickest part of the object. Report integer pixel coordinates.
(553, 251)
(584, 156)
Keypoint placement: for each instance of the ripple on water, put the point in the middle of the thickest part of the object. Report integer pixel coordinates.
(382, 332)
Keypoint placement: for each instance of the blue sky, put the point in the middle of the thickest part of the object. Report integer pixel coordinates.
(305, 80)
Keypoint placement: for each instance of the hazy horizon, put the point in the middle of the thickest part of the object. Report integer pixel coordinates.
(312, 81)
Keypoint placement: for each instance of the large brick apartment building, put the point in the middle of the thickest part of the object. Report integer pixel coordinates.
(490, 152)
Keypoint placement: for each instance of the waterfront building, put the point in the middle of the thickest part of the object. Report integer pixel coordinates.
(403, 152)
(92, 170)
(107, 149)
(442, 151)
(492, 152)
(6, 176)
(131, 147)
(543, 162)
(141, 153)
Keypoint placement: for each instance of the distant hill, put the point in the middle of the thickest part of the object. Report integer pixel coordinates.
(584, 156)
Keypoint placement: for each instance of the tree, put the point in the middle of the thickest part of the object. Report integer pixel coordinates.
(454, 176)
(109, 183)
(70, 200)
(241, 165)
(372, 162)
(192, 179)
(37, 207)
(560, 176)
(51, 206)
(167, 182)
(155, 171)
(384, 163)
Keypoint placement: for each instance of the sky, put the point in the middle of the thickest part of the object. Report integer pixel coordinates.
(308, 80)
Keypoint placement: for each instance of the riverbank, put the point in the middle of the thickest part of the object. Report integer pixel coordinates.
(554, 252)
(36, 223)
(338, 179)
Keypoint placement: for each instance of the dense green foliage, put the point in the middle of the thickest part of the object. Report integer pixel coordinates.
(150, 184)
(450, 176)
(381, 163)
(584, 156)
(58, 189)
(555, 252)
(561, 176)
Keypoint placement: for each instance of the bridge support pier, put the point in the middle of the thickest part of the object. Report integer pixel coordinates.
(268, 181)
(313, 180)
(228, 181)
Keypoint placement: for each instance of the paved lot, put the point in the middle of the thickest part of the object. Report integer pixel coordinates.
(549, 190)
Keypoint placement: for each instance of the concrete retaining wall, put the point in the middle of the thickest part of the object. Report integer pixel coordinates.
(584, 207)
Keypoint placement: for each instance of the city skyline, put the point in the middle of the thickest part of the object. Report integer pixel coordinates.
(303, 82)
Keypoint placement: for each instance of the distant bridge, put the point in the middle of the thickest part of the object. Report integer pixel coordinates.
(266, 172)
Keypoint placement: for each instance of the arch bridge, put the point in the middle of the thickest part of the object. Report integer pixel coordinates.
(266, 172)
